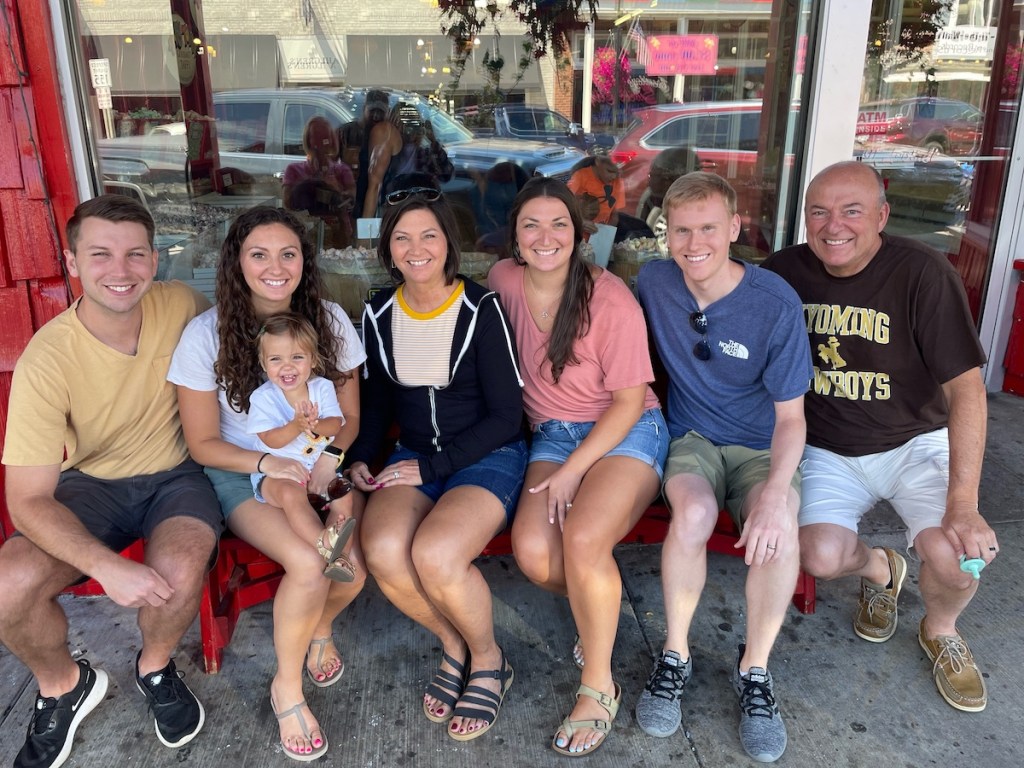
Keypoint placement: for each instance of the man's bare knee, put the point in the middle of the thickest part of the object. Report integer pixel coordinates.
(693, 516)
(825, 553)
(28, 575)
(180, 550)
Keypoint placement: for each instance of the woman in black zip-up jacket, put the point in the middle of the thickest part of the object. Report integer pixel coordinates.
(442, 364)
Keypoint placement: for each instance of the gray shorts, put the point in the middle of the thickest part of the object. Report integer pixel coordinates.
(117, 512)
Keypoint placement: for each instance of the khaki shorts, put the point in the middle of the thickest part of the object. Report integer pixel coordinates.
(731, 470)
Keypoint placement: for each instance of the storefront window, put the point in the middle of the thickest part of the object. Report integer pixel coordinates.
(939, 105)
(199, 107)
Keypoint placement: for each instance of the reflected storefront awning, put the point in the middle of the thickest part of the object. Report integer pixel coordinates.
(941, 75)
(935, 69)
(399, 61)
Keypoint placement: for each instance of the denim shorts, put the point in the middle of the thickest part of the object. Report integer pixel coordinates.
(501, 472)
(232, 488)
(647, 441)
(119, 511)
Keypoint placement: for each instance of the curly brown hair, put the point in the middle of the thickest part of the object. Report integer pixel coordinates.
(238, 366)
(573, 319)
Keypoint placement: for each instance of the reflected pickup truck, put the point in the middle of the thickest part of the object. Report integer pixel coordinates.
(259, 133)
(529, 123)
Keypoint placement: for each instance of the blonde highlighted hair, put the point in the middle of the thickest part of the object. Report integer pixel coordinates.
(699, 186)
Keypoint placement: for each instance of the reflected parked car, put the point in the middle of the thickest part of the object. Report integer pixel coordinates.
(925, 190)
(523, 121)
(725, 135)
(944, 125)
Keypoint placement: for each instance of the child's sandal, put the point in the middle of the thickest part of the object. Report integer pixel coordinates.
(341, 569)
(330, 545)
(334, 538)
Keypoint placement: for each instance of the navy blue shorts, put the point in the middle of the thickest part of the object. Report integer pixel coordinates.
(501, 472)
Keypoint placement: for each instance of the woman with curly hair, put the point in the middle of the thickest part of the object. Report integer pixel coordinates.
(599, 439)
(267, 267)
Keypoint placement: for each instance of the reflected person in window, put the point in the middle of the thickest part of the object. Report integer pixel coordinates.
(321, 184)
(600, 191)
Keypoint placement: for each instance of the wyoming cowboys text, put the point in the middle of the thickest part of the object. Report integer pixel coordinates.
(834, 322)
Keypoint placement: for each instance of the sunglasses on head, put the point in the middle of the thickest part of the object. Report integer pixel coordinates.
(699, 323)
(429, 194)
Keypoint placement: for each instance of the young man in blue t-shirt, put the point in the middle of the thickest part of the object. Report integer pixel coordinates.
(733, 341)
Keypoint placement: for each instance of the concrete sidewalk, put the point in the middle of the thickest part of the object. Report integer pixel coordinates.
(846, 702)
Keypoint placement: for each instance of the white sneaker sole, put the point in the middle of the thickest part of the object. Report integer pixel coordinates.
(99, 690)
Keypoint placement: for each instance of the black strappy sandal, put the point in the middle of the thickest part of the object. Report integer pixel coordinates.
(478, 703)
(446, 688)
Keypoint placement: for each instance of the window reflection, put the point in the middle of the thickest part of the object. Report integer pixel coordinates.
(940, 96)
(208, 103)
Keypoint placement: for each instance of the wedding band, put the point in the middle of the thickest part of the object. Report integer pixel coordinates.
(396, 474)
(991, 549)
(769, 546)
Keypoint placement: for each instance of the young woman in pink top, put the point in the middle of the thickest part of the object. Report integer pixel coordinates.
(599, 439)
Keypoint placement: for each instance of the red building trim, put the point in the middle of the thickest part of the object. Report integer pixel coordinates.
(37, 188)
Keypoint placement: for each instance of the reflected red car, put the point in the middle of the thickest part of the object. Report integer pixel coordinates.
(922, 183)
(943, 125)
(723, 134)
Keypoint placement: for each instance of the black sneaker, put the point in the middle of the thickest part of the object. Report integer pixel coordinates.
(55, 720)
(177, 712)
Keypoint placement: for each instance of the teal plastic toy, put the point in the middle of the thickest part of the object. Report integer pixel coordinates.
(974, 566)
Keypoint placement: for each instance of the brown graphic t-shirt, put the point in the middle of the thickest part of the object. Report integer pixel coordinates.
(883, 342)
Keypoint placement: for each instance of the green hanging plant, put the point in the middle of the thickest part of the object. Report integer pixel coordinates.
(548, 24)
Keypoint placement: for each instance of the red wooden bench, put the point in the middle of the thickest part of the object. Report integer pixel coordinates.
(243, 576)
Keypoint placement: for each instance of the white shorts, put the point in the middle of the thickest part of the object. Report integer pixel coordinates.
(913, 478)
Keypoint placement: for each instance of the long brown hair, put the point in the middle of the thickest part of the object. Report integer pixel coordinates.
(238, 366)
(573, 319)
